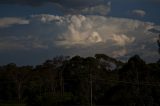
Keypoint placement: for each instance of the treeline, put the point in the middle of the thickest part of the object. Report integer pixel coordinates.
(90, 81)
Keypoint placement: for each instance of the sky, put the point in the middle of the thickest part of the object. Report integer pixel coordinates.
(32, 31)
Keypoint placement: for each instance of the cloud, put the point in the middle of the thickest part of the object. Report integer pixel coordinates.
(98, 9)
(8, 21)
(78, 32)
(122, 40)
(46, 18)
(89, 30)
(139, 12)
(41, 2)
(83, 35)
(116, 36)
(94, 38)
(85, 7)
(27, 2)
(119, 53)
(5, 45)
(21, 43)
(155, 29)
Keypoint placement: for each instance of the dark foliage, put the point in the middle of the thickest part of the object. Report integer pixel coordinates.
(99, 80)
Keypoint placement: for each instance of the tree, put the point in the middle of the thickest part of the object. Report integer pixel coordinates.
(82, 81)
(158, 42)
(20, 75)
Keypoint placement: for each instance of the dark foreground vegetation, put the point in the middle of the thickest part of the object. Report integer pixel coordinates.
(91, 81)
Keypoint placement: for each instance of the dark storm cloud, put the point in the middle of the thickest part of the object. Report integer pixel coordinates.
(67, 3)
(27, 2)
(101, 7)
(74, 3)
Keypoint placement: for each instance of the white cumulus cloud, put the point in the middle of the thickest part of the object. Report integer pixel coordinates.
(89, 30)
(46, 18)
(122, 40)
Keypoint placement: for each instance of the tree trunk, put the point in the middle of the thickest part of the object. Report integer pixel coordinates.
(19, 88)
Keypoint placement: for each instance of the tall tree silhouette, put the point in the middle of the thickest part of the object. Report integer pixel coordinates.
(99, 80)
(158, 41)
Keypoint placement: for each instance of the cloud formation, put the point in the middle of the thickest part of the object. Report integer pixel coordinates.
(88, 30)
(21, 43)
(139, 12)
(85, 34)
(122, 40)
(120, 53)
(27, 2)
(46, 18)
(63, 2)
(41, 2)
(98, 9)
(118, 36)
(8, 21)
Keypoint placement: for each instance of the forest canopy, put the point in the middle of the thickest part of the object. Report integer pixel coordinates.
(91, 81)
